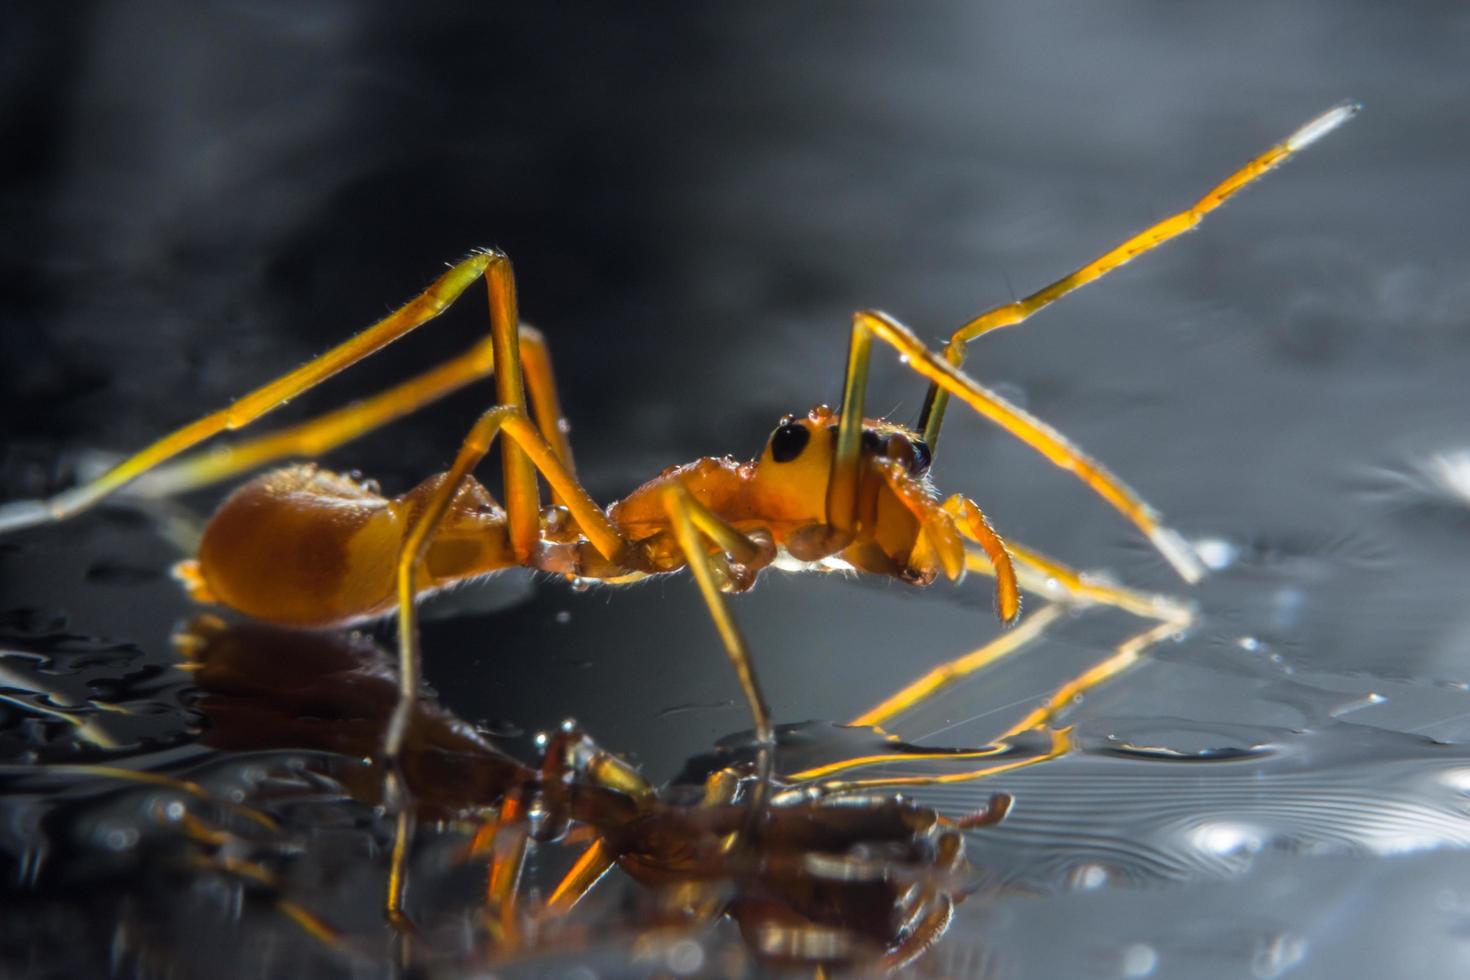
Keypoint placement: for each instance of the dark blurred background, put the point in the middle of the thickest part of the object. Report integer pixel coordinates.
(197, 197)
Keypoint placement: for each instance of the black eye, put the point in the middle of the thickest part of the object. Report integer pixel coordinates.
(788, 441)
(872, 442)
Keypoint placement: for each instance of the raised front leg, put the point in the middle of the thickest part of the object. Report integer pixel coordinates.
(1014, 419)
(1010, 314)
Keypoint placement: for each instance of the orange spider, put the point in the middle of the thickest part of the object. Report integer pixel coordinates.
(833, 489)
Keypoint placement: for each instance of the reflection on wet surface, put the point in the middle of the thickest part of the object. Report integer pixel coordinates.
(235, 801)
(275, 812)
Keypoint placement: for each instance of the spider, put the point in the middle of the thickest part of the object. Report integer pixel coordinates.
(832, 489)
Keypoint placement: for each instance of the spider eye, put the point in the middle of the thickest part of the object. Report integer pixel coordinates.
(872, 442)
(788, 441)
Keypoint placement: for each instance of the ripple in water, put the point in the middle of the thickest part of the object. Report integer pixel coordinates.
(1138, 816)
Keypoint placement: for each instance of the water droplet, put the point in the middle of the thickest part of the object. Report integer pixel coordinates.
(1139, 960)
(1226, 838)
(1088, 877)
(1216, 553)
(1274, 958)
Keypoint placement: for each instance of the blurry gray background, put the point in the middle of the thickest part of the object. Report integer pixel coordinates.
(198, 197)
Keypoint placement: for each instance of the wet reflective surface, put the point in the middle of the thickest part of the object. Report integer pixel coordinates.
(695, 206)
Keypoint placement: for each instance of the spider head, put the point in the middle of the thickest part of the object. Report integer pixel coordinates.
(793, 471)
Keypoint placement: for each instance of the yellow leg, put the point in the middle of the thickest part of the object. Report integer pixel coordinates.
(1150, 238)
(843, 483)
(502, 910)
(1041, 719)
(545, 404)
(991, 751)
(1062, 586)
(398, 871)
(811, 784)
(1024, 426)
(1128, 653)
(1057, 582)
(690, 519)
(539, 454)
(320, 435)
(522, 495)
(596, 861)
(418, 311)
(950, 673)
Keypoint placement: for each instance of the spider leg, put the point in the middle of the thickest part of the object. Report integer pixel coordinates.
(953, 671)
(594, 862)
(1062, 587)
(844, 482)
(1043, 576)
(512, 421)
(813, 784)
(418, 311)
(1127, 653)
(398, 871)
(1019, 423)
(1010, 314)
(318, 436)
(512, 840)
(1057, 582)
(691, 521)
